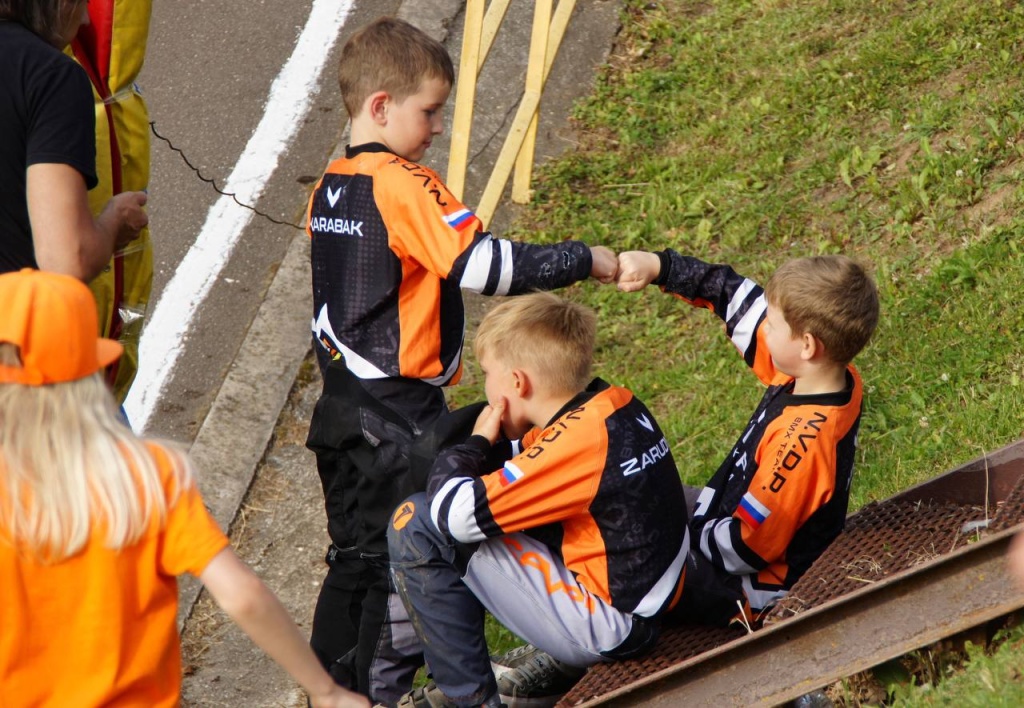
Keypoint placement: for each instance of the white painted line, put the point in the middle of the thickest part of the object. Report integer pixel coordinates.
(289, 100)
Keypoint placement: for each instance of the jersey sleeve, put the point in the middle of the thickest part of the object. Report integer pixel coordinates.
(555, 477)
(795, 476)
(190, 537)
(429, 225)
(738, 301)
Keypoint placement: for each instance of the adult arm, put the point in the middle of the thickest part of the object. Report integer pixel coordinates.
(1015, 559)
(244, 597)
(66, 237)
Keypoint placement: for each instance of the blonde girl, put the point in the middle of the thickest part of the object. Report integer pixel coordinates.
(96, 524)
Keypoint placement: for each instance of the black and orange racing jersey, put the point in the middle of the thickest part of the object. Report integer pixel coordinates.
(598, 484)
(392, 249)
(781, 496)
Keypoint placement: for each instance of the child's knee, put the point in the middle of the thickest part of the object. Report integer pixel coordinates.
(410, 532)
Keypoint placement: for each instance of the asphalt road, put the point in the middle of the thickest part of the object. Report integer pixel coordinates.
(208, 77)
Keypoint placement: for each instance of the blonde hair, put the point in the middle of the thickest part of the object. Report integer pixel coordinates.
(393, 56)
(70, 466)
(552, 337)
(831, 297)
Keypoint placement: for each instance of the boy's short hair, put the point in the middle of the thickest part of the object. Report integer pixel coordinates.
(832, 297)
(552, 337)
(390, 55)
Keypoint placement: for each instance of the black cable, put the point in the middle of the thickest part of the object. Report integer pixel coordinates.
(213, 183)
(512, 109)
(268, 217)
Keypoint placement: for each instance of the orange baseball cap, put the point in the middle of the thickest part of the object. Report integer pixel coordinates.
(52, 320)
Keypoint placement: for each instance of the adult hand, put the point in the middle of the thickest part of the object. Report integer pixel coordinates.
(125, 217)
(605, 264)
(1015, 559)
(637, 269)
(488, 423)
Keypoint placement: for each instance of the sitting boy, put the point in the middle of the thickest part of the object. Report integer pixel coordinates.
(577, 544)
(781, 495)
(392, 250)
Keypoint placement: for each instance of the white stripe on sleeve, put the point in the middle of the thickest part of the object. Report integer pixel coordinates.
(746, 328)
(479, 266)
(723, 540)
(461, 517)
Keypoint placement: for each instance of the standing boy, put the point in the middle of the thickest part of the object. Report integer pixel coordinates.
(392, 249)
(577, 544)
(780, 497)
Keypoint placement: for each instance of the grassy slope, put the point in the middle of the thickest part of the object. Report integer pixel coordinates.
(752, 132)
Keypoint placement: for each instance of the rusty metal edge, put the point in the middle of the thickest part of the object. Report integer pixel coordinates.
(862, 629)
(987, 478)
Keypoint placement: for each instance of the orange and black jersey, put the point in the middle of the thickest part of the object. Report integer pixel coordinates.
(598, 485)
(392, 249)
(781, 496)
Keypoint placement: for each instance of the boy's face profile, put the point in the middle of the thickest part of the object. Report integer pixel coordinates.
(408, 126)
(785, 347)
(501, 382)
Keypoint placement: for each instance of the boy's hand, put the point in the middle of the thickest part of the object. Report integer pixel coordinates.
(605, 264)
(488, 423)
(637, 269)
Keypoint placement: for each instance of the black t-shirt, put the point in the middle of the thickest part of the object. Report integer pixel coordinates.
(46, 116)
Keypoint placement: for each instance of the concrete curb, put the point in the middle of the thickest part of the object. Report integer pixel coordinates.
(235, 434)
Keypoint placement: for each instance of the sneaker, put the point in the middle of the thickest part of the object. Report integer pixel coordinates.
(512, 659)
(531, 678)
(427, 696)
(814, 699)
(430, 696)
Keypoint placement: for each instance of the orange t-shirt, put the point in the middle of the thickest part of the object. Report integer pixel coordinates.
(100, 628)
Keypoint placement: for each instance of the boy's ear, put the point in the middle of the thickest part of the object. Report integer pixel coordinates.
(811, 346)
(521, 380)
(377, 105)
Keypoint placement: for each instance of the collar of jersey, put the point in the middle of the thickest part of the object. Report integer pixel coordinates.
(353, 150)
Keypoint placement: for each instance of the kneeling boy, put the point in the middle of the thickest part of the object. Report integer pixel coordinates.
(577, 544)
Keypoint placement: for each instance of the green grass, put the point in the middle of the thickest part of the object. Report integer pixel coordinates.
(753, 132)
(994, 679)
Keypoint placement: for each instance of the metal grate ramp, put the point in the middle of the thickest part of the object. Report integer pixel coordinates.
(907, 571)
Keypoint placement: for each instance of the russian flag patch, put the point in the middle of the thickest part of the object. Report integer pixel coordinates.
(510, 473)
(459, 219)
(752, 511)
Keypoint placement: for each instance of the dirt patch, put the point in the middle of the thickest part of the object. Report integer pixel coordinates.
(281, 532)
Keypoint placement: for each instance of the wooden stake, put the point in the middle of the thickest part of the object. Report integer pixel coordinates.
(534, 85)
(527, 107)
(465, 95)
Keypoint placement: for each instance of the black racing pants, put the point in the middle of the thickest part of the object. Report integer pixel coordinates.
(361, 432)
(710, 595)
